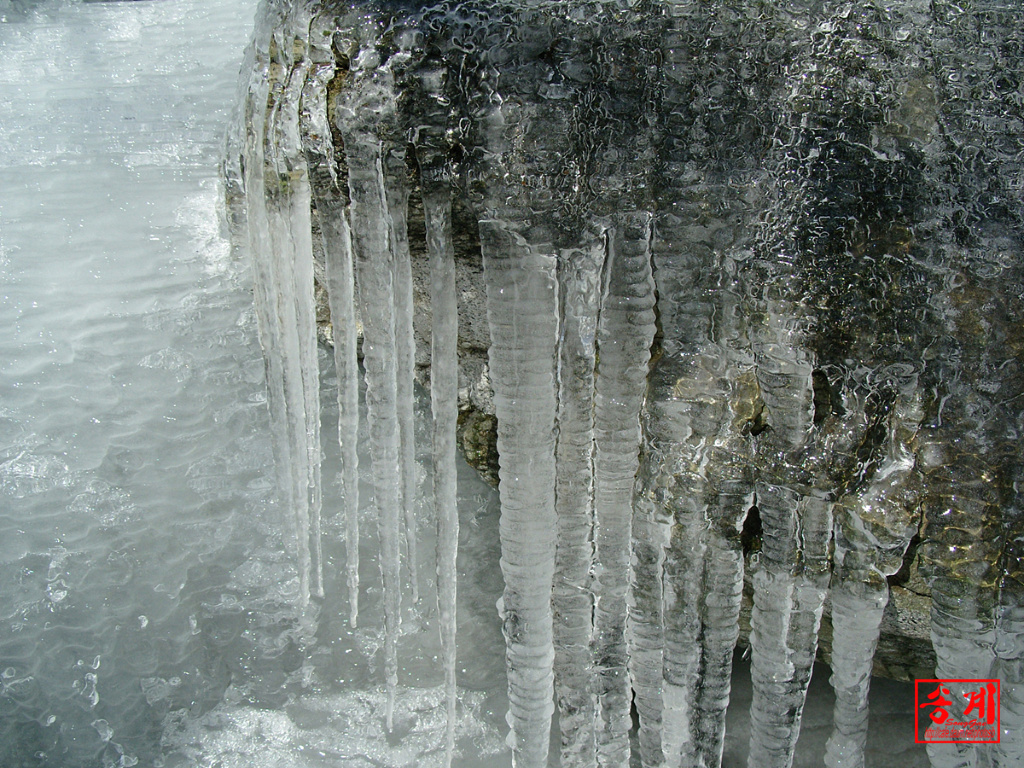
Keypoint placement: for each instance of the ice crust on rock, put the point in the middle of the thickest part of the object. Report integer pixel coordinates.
(742, 262)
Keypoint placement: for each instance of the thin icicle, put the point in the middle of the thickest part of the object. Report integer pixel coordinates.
(572, 596)
(341, 295)
(625, 333)
(396, 183)
(331, 205)
(264, 285)
(436, 185)
(364, 107)
(720, 609)
(444, 406)
(286, 190)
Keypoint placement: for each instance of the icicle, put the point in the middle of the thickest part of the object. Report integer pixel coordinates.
(572, 597)
(625, 334)
(684, 561)
(702, 404)
(443, 398)
(360, 111)
(704, 400)
(435, 183)
(1009, 648)
(674, 494)
(278, 195)
(732, 396)
(522, 307)
(720, 609)
(873, 529)
(797, 526)
(652, 526)
(291, 231)
(520, 272)
(331, 202)
(692, 495)
(264, 287)
(523, 139)
(397, 185)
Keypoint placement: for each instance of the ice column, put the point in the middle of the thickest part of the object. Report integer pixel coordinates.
(625, 333)
(520, 271)
(277, 189)
(432, 150)
(873, 528)
(364, 111)
(572, 597)
(330, 196)
(830, 197)
(396, 184)
(522, 309)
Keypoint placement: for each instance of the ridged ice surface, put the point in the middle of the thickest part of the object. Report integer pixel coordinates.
(754, 291)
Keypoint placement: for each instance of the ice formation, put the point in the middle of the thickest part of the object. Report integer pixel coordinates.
(743, 261)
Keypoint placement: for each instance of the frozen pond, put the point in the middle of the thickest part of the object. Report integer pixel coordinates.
(147, 586)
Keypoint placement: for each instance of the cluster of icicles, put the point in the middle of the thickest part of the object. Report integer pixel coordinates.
(625, 480)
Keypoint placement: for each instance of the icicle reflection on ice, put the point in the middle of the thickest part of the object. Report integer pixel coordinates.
(745, 265)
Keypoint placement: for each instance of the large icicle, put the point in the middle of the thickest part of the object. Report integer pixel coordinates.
(520, 271)
(613, 80)
(363, 108)
(436, 184)
(652, 525)
(253, 170)
(523, 140)
(291, 165)
(278, 192)
(396, 183)
(873, 529)
(704, 402)
(790, 582)
(444, 397)
(330, 195)
(522, 307)
(625, 334)
(572, 597)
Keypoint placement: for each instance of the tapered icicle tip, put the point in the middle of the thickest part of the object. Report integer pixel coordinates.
(318, 550)
(449, 746)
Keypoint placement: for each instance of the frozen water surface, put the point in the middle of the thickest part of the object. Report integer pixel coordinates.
(160, 572)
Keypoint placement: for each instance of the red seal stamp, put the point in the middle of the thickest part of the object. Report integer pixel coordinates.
(956, 711)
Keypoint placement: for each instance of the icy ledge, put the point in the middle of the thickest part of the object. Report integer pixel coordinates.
(753, 286)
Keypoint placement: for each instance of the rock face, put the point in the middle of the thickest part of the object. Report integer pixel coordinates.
(741, 295)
